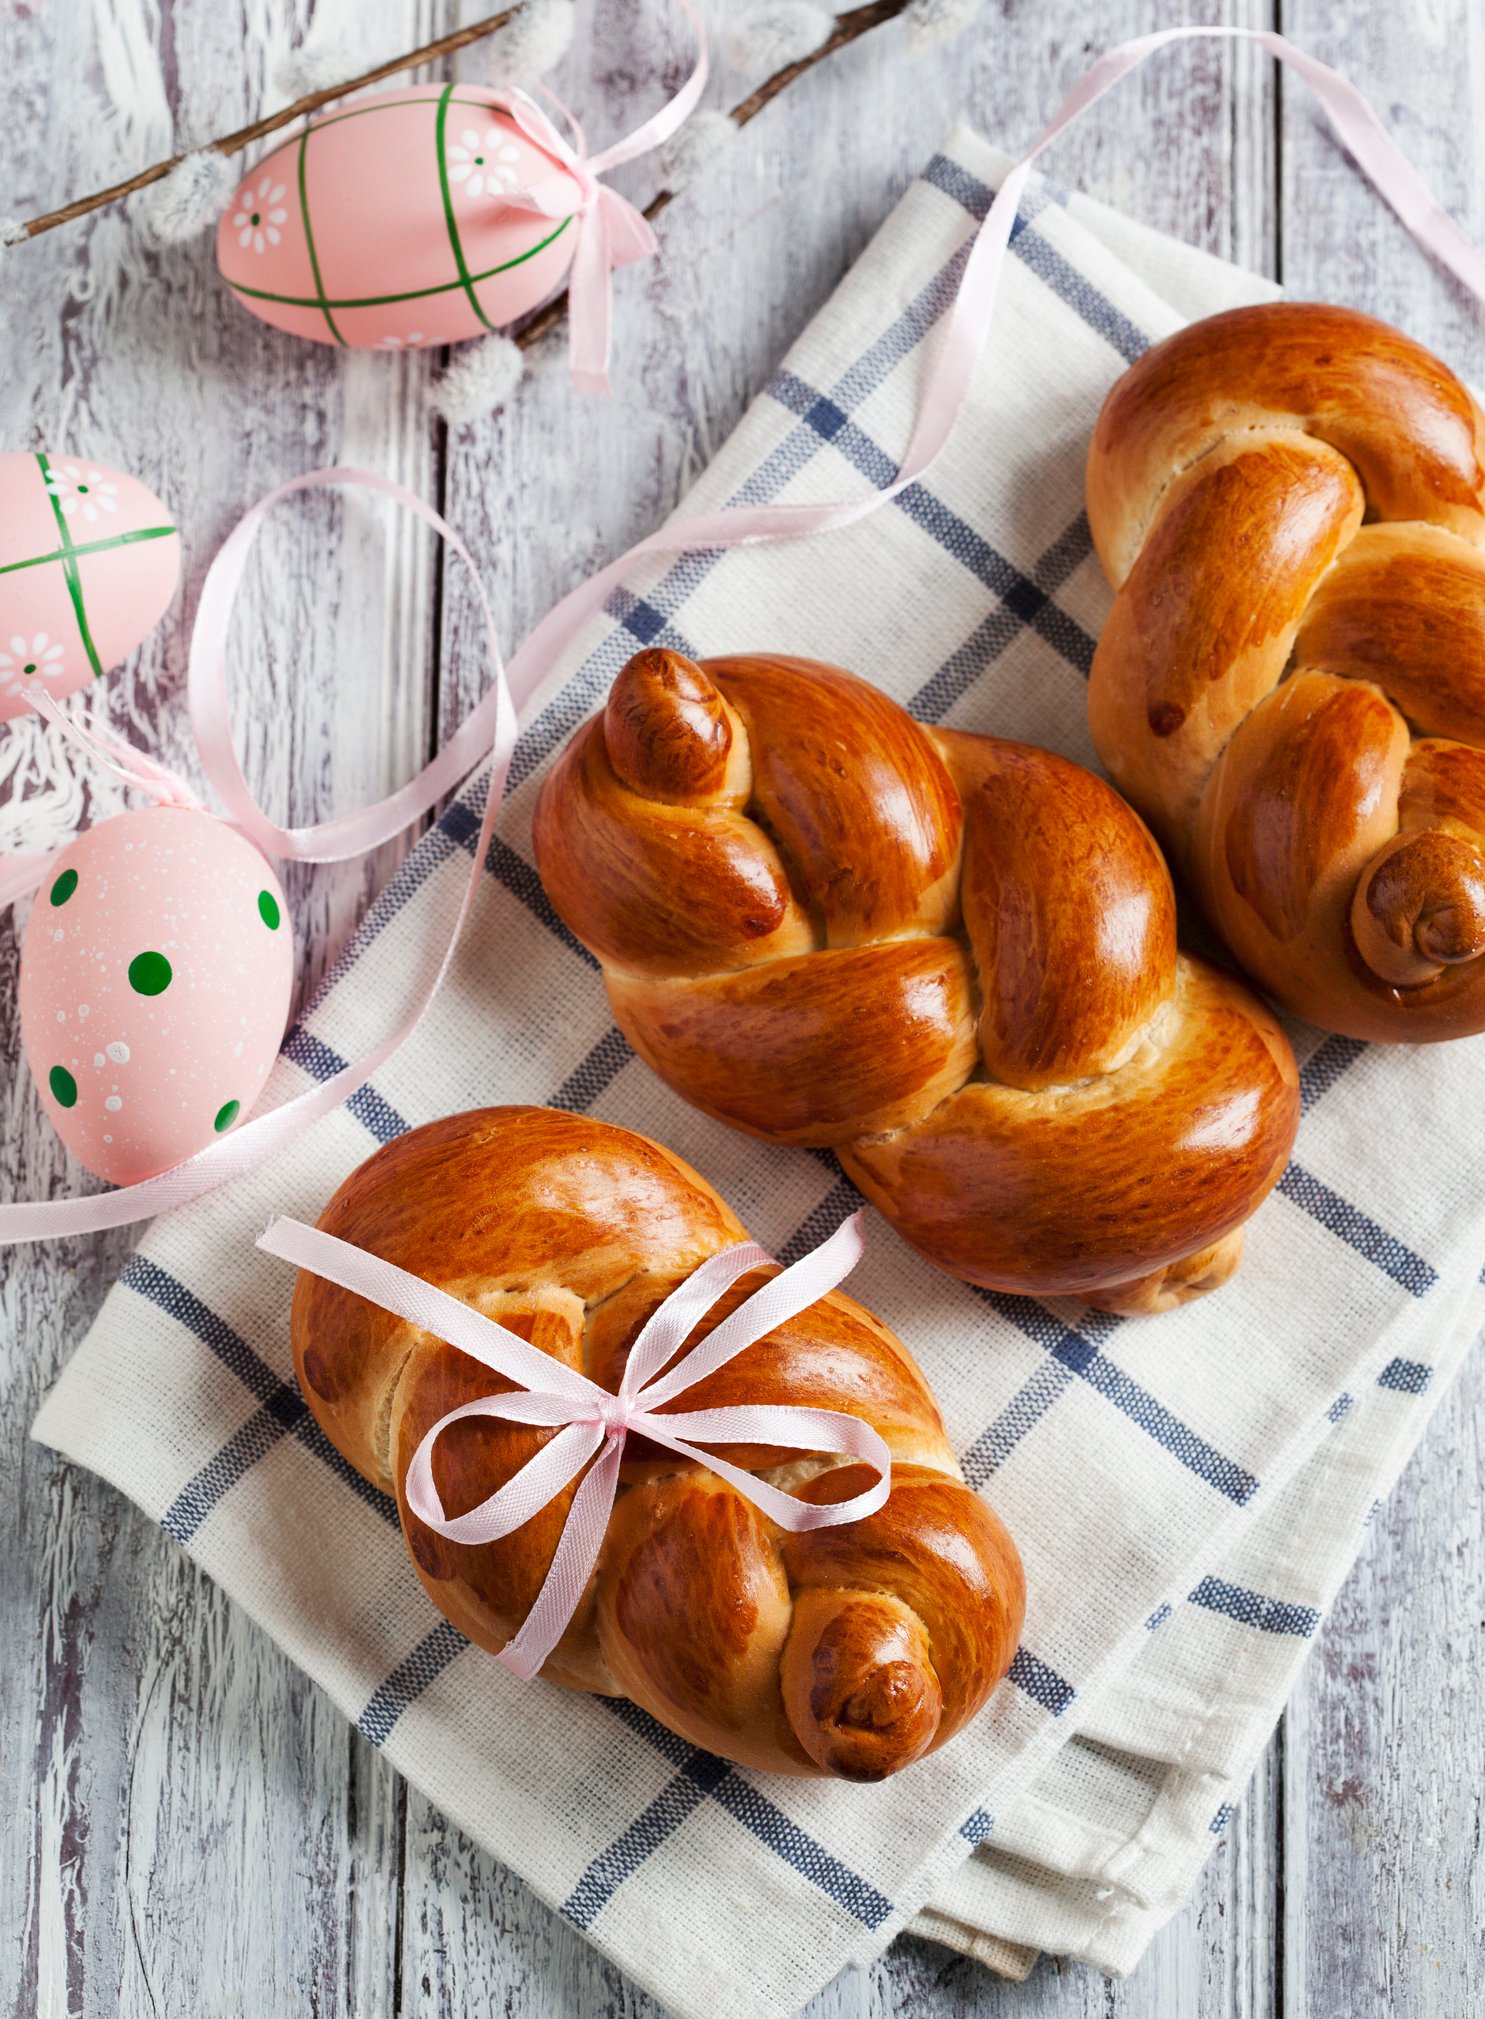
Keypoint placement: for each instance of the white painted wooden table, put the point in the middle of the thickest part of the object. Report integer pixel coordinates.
(187, 1826)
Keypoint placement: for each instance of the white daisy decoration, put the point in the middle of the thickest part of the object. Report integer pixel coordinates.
(259, 214)
(26, 659)
(407, 343)
(485, 167)
(79, 489)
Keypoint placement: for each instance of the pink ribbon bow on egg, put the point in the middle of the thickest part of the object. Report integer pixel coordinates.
(611, 232)
(593, 1422)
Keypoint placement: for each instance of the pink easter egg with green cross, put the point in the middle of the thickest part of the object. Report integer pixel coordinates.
(155, 985)
(89, 559)
(386, 224)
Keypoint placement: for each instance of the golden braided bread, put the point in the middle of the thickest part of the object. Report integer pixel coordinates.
(1290, 504)
(847, 1651)
(950, 958)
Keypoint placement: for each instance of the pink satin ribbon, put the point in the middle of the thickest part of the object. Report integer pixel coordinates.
(21, 874)
(948, 372)
(611, 231)
(592, 1422)
(248, 1146)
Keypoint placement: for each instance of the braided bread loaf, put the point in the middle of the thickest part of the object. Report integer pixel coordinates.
(950, 958)
(1290, 504)
(849, 1651)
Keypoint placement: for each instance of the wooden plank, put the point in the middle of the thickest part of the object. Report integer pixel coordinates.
(186, 1838)
(1385, 1912)
(1386, 1892)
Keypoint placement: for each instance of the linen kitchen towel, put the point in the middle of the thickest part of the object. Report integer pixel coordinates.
(1186, 1490)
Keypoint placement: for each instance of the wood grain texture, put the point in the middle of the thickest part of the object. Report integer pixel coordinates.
(189, 1827)
(1383, 1909)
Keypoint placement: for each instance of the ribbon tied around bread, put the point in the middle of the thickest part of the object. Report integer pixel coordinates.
(802, 1644)
(591, 1420)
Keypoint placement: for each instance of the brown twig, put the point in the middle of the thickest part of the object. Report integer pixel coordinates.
(849, 27)
(234, 143)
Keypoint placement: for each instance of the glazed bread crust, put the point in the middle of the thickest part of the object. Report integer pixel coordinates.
(950, 958)
(1290, 504)
(851, 1651)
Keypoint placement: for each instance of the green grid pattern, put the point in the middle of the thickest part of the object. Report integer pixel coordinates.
(309, 240)
(448, 206)
(464, 279)
(85, 547)
(67, 554)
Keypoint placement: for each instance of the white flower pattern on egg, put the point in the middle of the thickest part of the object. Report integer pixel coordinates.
(485, 167)
(24, 661)
(259, 215)
(78, 488)
(396, 343)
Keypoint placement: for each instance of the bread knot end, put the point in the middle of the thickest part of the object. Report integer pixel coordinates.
(1420, 907)
(859, 1683)
(669, 733)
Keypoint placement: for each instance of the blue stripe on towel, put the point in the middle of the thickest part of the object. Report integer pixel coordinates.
(1349, 1224)
(1328, 1063)
(1251, 1608)
(1083, 1358)
(407, 1682)
(1042, 1684)
(313, 1056)
(281, 1405)
(1408, 1377)
(698, 1775)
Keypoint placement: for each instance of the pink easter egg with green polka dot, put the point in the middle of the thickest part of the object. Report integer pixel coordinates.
(155, 986)
(89, 559)
(386, 224)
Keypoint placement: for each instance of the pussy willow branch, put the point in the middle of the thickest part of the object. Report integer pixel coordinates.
(849, 27)
(234, 143)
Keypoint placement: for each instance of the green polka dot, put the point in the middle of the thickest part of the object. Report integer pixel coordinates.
(63, 1086)
(268, 909)
(64, 886)
(150, 974)
(227, 1114)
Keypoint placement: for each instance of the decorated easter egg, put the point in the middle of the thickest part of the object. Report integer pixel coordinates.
(155, 983)
(386, 224)
(88, 561)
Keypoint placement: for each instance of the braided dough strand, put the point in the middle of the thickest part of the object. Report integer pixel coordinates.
(1289, 501)
(851, 1652)
(965, 981)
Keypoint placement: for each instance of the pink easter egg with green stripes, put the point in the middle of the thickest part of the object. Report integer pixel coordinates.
(89, 559)
(385, 224)
(156, 976)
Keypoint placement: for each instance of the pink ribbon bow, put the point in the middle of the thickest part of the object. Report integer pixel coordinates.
(593, 1422)
(610, 231)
